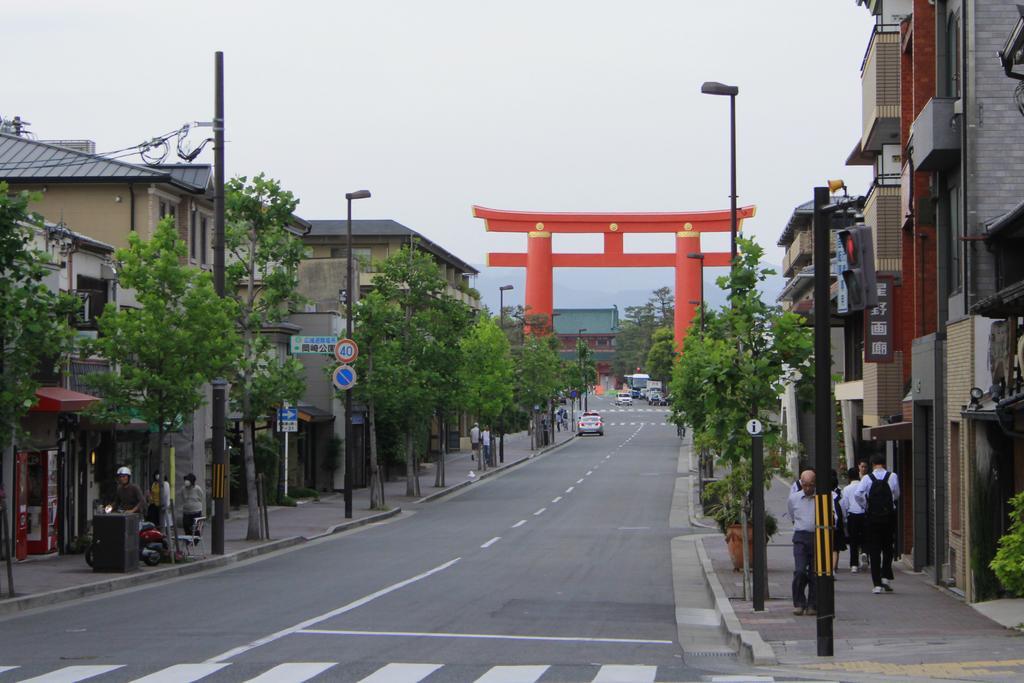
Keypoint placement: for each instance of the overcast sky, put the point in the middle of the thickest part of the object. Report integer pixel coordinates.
(437, 105)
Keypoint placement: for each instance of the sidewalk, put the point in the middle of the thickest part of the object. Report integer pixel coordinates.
(49, 579)
(919, 631)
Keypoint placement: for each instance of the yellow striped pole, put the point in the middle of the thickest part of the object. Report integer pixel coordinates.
(823, 534)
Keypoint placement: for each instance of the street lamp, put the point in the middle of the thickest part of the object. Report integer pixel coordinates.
(351, 294)
(714, 88)
(501, 323)
(584, 404)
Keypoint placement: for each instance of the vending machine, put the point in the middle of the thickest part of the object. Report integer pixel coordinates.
(42, 502)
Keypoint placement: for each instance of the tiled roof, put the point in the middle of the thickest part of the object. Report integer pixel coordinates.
(594, 320)
(384, 228)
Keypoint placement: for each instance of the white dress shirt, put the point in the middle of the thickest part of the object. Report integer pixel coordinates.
(865, 485)
(849, 501)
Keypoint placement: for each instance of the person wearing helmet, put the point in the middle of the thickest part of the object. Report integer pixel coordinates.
(128, 497)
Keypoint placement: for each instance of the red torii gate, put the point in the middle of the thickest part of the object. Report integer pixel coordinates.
(539, 260)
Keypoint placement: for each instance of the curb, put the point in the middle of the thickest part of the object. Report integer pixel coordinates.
(749, 645)
(15, 605)
(490, 473)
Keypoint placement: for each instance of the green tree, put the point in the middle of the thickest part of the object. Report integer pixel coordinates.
(487, 371)
(581, 374)
(262, 277)
(538, 375)
(180, 337)
(33, 320)
(662, 355)
(636, 331)
(738, 368)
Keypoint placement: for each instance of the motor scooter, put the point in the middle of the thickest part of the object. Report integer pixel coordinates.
(152, 544)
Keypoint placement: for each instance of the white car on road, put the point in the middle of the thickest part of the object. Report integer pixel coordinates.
(623, 398)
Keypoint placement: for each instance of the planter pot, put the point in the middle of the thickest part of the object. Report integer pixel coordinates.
(734, 539)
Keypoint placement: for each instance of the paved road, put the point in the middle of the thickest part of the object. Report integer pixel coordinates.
(557, 570)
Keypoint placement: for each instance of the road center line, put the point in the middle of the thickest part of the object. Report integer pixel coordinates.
(234, 652)
(579, 481)
(483, 636)
(570, 489)
(491, 542)
(555, 500)
(589, 472)
(519, 524)
(539, 512)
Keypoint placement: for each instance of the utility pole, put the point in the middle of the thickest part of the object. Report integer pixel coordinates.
(823, 424)
(220, 469)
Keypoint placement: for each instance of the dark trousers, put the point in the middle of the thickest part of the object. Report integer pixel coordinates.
(879, 537)
(855, 534)
(188, 521)
(803, 570)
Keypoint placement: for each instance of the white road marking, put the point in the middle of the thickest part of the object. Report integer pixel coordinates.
(519, 524)
(633, 528)
(70, 674)
(539, 512)
(491, 542)
(570, 489)
(626, 674)
(579, 481)
(480, 636)
(181, 673)
(294, 672)
(513, 674)
(7, 668)
(330, 615)
(589, 472)
(401, 673)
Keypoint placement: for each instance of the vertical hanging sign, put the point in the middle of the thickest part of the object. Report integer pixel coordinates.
(878, 332)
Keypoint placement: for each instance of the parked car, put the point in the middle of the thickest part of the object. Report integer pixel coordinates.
(656, 399)
(623, 398)
(590, 424)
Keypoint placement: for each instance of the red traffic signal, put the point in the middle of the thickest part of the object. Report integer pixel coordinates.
(859, 272)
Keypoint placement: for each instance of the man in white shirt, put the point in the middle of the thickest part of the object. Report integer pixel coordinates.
(474, 440)
(853, 516)
(877, 493)
(801, 510)
(485, 441)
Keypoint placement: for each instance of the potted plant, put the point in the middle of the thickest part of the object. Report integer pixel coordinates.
(730, 495)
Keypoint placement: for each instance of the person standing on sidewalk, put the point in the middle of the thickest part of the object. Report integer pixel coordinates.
(878, 493)
(853, 514)
(485, 443)
(192, 503)
(801, 511)
(474, 440)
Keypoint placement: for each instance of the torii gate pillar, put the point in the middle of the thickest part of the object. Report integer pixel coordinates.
(540, 262)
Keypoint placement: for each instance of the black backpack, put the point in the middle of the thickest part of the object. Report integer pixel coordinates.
(880, 503)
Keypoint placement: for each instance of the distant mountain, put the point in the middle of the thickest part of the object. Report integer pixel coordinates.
(604, 287)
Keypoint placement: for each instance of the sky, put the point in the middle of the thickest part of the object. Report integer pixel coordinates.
(546, 105)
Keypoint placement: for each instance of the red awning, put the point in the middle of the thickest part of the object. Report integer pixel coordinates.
(57, 400)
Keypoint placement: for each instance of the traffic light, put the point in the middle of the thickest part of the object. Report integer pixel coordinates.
(859, 270)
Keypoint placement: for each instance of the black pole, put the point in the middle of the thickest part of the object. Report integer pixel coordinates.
(822, 422)
(501, 422)
(760, 551)
(348, 334)
(220, 469)
(732, 173)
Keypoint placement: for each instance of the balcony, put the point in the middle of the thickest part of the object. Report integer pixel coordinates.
(798, 254)
(880, 85)
(935, 136)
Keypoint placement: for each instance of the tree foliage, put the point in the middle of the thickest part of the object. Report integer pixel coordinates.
(33, 319)
(637, 328)
(180, 337)
(487, 372)
(662, 355)
(738, 368)
(261, 275)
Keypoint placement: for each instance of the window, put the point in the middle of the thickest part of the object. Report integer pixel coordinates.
(167, 209)
(202, 240)
(952, 80)
(192, 235)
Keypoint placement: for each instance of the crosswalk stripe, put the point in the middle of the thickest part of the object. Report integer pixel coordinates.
(513, 674)
(182, 673)
(295, 672)
(7, 668)
(617, 673)
(71, 674)
(401, 673)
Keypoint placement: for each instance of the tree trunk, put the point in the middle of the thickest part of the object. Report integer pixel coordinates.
(442, 449)
(376, 485)
(412, 479)
(253, 532)
(248, 426)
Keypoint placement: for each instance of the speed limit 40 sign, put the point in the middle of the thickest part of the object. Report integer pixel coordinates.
(346, 350)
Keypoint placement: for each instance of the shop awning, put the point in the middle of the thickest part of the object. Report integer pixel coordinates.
(897, 431)
(308, 413)
(58, 400)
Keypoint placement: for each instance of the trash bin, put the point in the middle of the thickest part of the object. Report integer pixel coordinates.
(115, 542)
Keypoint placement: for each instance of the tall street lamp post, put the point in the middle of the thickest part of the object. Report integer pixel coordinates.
(579, 357)
(713, 88)
(349, 295)
(501, 323)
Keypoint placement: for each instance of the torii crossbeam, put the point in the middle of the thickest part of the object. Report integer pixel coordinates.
(539, 260)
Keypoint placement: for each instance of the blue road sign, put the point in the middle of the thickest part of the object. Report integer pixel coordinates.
(344, 377)
(287, 419)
